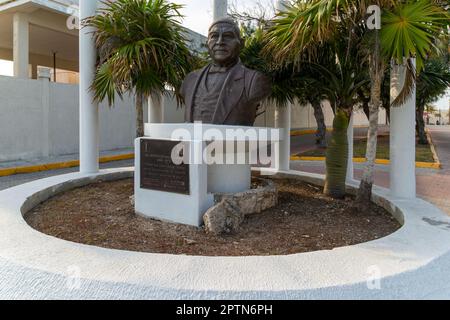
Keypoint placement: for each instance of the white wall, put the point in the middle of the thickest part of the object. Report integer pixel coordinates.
(40, 119)
(303, 117)
(21, 119)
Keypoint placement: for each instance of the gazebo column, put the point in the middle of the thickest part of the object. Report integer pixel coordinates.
(403, 139)
(350, 135)
(89, 115)
(220, 9)
(21, 45)
(283, 121)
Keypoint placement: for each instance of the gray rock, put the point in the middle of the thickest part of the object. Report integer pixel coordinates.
(230, 209)
(223, 218)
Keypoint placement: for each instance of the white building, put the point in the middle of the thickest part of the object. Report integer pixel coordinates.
(40, 118)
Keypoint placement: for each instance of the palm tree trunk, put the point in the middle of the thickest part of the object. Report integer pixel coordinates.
(139, 115)
(366, 109)
(420, 124)
(321, 127)
(337, 157)
(365, 189)
(376, 71)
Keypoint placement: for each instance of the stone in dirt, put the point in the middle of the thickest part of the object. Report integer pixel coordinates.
(231, 209)
(224, 217)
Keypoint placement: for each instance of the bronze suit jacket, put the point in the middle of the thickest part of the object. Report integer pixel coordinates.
(241, 95)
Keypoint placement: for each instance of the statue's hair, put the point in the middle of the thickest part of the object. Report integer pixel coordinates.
(229, 21)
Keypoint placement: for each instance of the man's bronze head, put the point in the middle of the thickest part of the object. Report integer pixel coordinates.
(224, 42)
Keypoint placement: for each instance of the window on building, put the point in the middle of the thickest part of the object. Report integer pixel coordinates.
(6, 68)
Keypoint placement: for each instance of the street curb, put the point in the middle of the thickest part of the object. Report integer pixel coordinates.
(421, 165)
(296, 133)
(59, 165)
(433, 149)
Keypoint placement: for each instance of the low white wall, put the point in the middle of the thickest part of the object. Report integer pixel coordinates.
(41, 119)
(303, 117)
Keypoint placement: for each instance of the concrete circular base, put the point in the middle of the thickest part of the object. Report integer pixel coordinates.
(411, 263)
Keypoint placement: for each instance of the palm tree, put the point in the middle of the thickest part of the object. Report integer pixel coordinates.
(310, 92)
(142, 49)
(338, 68)
(408, 30)
(432, 83)
(341, 76)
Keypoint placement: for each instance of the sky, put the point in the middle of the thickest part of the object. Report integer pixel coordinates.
(198, 17)
(199, 12)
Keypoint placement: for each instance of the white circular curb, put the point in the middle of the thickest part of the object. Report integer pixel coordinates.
(412, 263)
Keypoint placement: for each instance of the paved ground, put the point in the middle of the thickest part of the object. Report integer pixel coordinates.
(11, 181)
(305, 143)
(432, 185)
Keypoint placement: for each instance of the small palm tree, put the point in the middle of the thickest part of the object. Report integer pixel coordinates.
(432, 83)
(338, 69)
(142, 50)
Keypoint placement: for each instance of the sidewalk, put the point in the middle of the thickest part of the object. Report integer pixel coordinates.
(17, 179)
(59, 159)
(432, 185)
(435, 186)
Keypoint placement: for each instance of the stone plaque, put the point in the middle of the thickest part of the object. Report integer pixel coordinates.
(158, 172)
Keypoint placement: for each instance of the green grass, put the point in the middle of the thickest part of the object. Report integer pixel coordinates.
(423, 153)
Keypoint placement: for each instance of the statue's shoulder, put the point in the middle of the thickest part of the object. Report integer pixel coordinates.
(196, 73)
(255, 77)
(190, 81)
(257, 83)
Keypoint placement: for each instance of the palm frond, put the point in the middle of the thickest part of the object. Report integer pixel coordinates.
(142, 47)
(410, 29)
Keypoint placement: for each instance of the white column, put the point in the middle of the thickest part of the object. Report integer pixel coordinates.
(89, 117)
(21, 45)
(45, 78)
(403, 139)
(155, 109)
(283, 121)
(220, 9)
(350, 135)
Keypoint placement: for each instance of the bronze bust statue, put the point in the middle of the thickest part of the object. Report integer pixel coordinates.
(224, 92)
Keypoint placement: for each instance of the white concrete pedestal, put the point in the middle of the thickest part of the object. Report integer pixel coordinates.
(173, 207)
(206, 178)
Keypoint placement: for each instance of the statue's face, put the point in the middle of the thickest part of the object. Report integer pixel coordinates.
(224, 44)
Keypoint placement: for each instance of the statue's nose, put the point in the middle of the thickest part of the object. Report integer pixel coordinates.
(220, 40)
